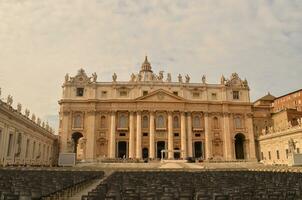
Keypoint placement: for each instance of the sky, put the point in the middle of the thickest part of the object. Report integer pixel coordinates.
(41, 41)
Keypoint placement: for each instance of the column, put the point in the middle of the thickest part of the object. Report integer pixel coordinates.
(138, 135)
(252, 147)
(227, 137)
(152, 130)
(65, 124)
(208, 141)
(112, 136)
(170, 136)
(183, 134)
(90, 136)
(189, 130)
(131, 135)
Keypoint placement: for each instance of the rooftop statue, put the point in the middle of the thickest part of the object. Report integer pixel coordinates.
(203, 79)
(187, 78)
(114, 77)
(180, 78)
(19, 107)
(222, 80)
(27, 112)
(160, 75)
(94, 77)
(132, 77)
(39, 121)
(169, 79)
(9, 100)
(33, 117)
(66, 78)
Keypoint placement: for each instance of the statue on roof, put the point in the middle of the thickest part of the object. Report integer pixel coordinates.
(203, 79)
(169, 79)
(66, 78)
(27, 112)
(94, 77)
(187, 78)
(132, 79)
(39, 121)
(222, 80)
(9, 100)
(160, 75)
(179, 78)
(19, 107)
(33, 117)
(114, 77)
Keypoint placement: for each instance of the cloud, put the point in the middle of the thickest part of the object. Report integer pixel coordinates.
(43, 40)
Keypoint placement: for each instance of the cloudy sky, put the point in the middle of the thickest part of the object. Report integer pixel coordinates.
(41, 41)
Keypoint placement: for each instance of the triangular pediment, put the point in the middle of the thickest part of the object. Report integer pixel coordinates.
(161, 95)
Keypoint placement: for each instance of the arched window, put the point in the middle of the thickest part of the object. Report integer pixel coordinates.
(77, 121)
(123, 122)
(238, 122)
(145, 122)
(175, 122)
(196, 122)
(215, 123)
(103, 122)
(160, 122)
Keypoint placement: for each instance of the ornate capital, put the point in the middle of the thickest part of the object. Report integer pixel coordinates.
(206, 114)
(249, 115)
(226, 114)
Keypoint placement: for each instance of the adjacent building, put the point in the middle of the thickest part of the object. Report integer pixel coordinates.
(152, 115)
(24, 140)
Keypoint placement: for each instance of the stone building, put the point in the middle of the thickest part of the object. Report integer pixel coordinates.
(149, 113)
(275, 125)
(24, 140)
(292, 100)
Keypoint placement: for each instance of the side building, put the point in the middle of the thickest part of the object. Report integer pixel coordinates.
(277, 127)
(139, 118)
(25, 140)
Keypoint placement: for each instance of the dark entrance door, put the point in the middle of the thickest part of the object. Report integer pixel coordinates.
(160, 145)
(145, 153)
(176, 154)
(239, 146)
(198, 149)
(122, 149)
(75, 137)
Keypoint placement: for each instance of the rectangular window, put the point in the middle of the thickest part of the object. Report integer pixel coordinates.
(196, 94)
(27, 146)
(262, 157)
(145, 134)
(214, 96)
(298, 150)
(286, 153)
(175, 93)
(10, 144)
(269, 155)
(176, 134)
(123, 93)
(145, 93)
(197, 135)
(80, 92)
(122, 134)
(278, 156)
(236, 95)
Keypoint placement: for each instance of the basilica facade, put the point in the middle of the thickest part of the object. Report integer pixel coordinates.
(153, 116)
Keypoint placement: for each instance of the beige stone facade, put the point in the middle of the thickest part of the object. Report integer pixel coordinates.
(149, 113)
(24, 140)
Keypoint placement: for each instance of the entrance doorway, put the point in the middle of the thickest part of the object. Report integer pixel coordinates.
(75, 137)
(145, 153)
(198, 150)
(176, 154)
(239, 146)
(122, 149)
(160, 145)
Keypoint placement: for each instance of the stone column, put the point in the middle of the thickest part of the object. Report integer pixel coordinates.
(138, 135)
(183, 135)
(152, 130)
(252, 147)
(131, 135)
(208, 140)
(112, 135)
(90, 136)
(189, 130)
(65, 124)
(227, 137)
(170, 136)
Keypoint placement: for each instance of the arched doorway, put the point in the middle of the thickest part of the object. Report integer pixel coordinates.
(145, 153)
(176, 154)
(122, 149)
(160, 145)
(75, 137)
(198, 150)
(239, 145)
